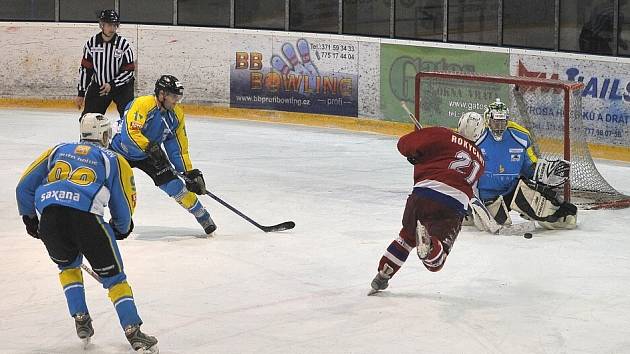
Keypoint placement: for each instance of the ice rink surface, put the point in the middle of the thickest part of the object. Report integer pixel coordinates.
(304, 290)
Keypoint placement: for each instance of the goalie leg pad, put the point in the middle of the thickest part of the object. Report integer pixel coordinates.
(500, 211)
(543, 207)
(482, 218)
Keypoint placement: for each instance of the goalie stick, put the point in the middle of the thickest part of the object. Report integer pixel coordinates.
(287, 225)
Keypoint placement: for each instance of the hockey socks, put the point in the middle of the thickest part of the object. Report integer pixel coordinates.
(72, 282)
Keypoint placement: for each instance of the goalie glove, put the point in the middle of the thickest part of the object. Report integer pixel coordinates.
(195, 182)
(553, 173)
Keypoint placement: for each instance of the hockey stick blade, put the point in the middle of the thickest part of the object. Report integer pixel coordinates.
(517, 229)
(287, 225)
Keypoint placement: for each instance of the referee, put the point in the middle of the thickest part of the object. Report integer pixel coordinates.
(107, 68)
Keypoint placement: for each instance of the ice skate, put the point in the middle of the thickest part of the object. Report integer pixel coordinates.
(83, 324)
(423, 241)
(207, 223)
(381, 281)
(141, 342)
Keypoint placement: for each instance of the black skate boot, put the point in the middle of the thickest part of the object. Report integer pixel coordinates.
(83, 324)
(141, 342)
(381, 281)
(207, 223)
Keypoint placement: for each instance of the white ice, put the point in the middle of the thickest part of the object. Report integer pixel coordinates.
(304, 291)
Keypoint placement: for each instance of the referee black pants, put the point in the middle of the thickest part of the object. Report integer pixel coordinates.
(95, 103)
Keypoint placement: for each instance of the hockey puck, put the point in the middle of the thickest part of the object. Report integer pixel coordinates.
(527, 235)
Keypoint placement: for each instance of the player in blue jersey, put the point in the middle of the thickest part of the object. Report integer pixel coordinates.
(70, 185)
(155, 120)
(515, 178)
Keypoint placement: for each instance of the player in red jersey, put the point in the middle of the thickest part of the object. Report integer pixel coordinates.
(447, 165)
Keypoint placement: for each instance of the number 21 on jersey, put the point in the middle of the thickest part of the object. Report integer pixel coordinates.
(465, 165)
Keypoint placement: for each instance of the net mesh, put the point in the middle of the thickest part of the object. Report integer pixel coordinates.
(538, 105)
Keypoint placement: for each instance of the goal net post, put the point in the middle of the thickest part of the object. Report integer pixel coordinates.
(550, 109)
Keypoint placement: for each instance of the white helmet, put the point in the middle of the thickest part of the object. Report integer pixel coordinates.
(96, 127)
(471, 125)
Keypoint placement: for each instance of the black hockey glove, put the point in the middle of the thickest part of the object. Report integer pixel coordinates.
(156, 156)
(119, 235)
(194, 182)
(415, 158)
(32, 225)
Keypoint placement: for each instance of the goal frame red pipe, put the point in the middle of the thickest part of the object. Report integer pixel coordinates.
(565, 86)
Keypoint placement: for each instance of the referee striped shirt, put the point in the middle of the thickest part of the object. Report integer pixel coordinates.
(106, 62)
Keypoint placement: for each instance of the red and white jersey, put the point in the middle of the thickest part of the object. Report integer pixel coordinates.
(447, 162)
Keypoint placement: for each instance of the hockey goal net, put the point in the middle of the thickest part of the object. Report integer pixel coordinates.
(550, 109)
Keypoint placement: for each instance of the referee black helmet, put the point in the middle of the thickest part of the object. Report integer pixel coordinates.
(170, 84)
(109, 16)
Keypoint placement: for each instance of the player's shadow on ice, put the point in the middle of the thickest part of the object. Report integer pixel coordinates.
(166, 233)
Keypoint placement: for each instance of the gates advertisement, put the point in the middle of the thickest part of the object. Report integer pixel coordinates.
(442, 103)
(605, 98)
(313, 75)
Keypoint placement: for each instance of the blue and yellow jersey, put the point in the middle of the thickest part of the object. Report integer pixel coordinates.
(143, 123)
(83, 176)
(506, 160)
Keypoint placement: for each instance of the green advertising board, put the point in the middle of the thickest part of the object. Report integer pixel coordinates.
(442, 102)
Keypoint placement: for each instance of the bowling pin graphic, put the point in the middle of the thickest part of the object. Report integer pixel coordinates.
(279, 64)
(289, 53)
(305, 53)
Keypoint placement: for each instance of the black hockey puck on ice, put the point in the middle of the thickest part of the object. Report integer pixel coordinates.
(527, 235)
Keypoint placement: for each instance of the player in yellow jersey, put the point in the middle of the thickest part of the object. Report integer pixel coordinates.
(151, 122)
(70, 185)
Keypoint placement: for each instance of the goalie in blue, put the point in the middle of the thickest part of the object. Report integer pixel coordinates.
(516, 179)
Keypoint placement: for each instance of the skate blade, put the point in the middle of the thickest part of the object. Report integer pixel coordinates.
(86, 342)
(373, 292)
(153, 350)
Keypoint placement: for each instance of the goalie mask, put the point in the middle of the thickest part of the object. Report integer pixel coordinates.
(496, 115)
(97, 128)
(471, 125)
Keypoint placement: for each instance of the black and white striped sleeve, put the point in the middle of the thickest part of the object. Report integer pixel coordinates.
(86, 69)
(128, 65)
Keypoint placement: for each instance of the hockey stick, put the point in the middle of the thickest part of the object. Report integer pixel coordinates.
(411, 116)
(91, 272)
(287, 225)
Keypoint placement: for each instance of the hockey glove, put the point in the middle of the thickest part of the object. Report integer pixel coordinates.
(415, 158)
(121, 235)
(32, 225)
(552, 173)
(156, 156)
(195, 182)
